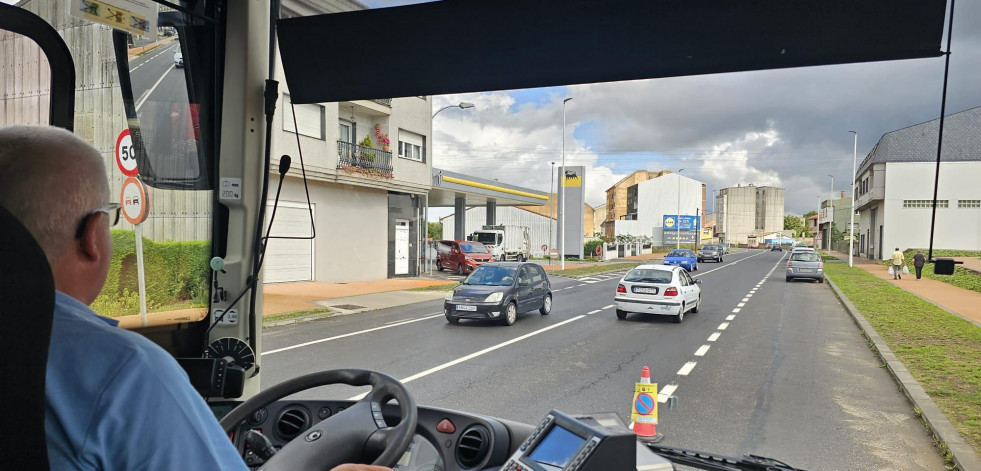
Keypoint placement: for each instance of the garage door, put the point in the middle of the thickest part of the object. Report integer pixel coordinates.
(289, 259)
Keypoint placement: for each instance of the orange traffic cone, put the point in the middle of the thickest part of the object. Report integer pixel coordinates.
(645, 408)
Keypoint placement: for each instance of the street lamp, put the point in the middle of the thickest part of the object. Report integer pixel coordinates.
(831, 208)
(561, 228)
(462, 105)
(551, 245)
(851, 223)
(677, 217)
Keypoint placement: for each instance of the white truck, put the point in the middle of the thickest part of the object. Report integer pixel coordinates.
(505, 243)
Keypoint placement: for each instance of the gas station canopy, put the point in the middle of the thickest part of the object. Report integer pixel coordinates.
(475, 191)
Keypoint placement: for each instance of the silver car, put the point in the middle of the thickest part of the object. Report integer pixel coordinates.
(805, 264)
(710, 252)
(658, 289)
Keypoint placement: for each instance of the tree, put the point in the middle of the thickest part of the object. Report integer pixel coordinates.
(796, 224)
(809, 214)
(436, 230)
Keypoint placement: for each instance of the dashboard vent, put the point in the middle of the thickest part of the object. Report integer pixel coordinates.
(292, 422)
(473, 446)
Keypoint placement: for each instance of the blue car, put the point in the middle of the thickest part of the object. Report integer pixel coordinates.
(682, 257)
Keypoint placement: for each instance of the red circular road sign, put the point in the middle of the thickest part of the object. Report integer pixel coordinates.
(544, 246)
(125, 157)
(599, 250)
(134, 200)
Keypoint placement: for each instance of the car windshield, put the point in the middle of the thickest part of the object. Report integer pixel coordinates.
(472, 248)
(318, 205)
(648, 275)
(485, 237)
(806, 257)
(491, 275)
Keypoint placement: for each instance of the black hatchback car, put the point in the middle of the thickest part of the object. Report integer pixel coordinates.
(499, 291)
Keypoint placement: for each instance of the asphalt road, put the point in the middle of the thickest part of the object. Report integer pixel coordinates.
(160, 92)
(787, 376)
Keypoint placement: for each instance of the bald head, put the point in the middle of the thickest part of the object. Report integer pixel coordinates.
(50, 179)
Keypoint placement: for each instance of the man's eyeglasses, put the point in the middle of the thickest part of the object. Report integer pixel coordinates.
(112, 210)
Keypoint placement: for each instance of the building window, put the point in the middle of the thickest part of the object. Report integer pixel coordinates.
(969, 203)
(344, 128)
(309, 118)
(412, 146)
(924, 203)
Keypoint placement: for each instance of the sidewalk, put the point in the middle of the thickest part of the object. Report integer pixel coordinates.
(135, 51)
(962, 302)
(300, 296)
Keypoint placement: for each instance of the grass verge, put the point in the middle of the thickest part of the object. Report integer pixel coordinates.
(594, 269)
(293, 315)
(442, 287)
(941, 351)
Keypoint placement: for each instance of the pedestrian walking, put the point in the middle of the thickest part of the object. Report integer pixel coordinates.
(898, 260)
(918, 261)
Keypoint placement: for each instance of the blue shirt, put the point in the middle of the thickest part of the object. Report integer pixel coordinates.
(117, 401)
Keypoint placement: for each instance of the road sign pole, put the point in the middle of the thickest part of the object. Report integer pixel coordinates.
(139, 274)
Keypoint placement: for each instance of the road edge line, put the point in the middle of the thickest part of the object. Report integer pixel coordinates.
(936, 421)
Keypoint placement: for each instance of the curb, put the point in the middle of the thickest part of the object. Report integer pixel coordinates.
(937, 423)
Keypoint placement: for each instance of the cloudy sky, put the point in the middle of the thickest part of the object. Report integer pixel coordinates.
(787, 128)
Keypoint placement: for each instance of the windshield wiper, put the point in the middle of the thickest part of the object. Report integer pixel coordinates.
(702, 460)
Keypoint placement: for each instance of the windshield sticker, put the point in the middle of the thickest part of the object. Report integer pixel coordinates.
(137, 17)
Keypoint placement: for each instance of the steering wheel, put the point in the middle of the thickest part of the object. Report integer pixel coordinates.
(351, 436)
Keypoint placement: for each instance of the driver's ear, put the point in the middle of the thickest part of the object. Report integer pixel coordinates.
(90, 237)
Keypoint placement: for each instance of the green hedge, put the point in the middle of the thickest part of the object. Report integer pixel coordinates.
(962, 277)
(589, 248)
(176, 276)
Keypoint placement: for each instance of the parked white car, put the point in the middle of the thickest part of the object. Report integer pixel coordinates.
(178, 59)
(658, 289)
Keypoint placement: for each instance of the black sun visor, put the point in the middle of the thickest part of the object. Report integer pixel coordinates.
(456, 46)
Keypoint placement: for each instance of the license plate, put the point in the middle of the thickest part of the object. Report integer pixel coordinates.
(464, 307)
(806, 270)
(644, 290)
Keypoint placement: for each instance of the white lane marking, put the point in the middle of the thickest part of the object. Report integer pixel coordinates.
(745, 299)
(351, 334)
(736, 310)
(702, 350)
(593, 311)
(607, 307)
(750, 295)
(145, 97)
(726, 265)
(579, 286)
(477, 354)
(723, 326)
(730, 317)
(666, 392)
(741, 305)
(687, 368)
(714, 336)
(752, 291)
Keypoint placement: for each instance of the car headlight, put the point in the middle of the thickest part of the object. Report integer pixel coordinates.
(449, 296)
(468, 258)
(494, 298)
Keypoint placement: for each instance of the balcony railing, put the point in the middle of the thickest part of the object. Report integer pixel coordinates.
(367, 158)
(383, 101)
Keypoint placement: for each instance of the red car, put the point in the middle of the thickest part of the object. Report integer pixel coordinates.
(461, 256)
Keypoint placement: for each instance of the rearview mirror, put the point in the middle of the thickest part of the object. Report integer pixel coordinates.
(698, 282)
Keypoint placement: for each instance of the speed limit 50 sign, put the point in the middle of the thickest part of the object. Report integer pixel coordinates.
(125, 158)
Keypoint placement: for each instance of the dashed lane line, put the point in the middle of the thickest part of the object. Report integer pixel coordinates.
(714, 336)
(724, 326)
(702, 350)
(730, 317)
(687, 368)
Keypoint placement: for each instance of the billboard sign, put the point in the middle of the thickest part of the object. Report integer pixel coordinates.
(572, 181)
(688, 223)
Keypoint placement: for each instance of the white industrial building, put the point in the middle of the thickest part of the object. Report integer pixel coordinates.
(541, 229)
(745, 211)
(894, 188)
(666, 195)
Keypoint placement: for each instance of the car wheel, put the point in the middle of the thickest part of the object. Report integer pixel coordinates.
(439, 266)
(452, 320)
(511, 314)
(681, 315)
(821, 280)
(789, 279)
(695, 268)
(546, 305)
(621, 314)
(698, 304)
(501, 258)
(522, 258)
(459, 270)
